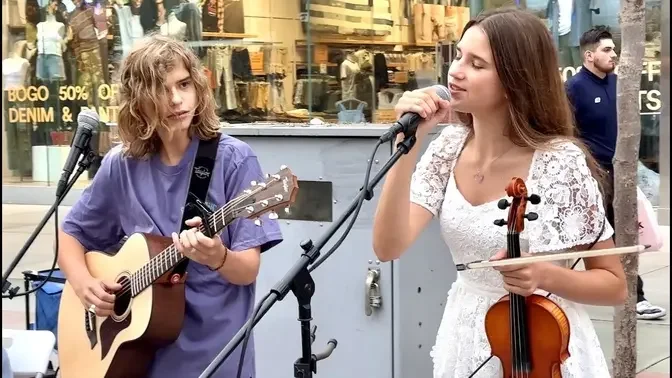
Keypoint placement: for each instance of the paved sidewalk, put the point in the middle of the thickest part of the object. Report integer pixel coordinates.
(653, 350)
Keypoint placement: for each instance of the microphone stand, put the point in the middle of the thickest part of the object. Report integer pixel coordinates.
(84, 163)
(299, 281)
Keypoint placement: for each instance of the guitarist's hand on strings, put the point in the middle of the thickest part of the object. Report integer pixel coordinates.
(97, 295)
(523, 279)
(194, 245)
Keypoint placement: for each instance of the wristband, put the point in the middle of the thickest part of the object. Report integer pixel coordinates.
(226, 254)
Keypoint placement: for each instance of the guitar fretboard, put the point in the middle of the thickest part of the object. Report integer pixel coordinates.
(169, 257)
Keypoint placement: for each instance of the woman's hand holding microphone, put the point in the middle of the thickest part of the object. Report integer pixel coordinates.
(427, 104)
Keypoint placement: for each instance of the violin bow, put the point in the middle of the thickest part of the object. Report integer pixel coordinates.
(552, 256)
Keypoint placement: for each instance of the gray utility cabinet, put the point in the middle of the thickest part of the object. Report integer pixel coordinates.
(395, 339)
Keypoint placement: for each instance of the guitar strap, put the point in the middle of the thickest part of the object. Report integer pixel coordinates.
(199, 184)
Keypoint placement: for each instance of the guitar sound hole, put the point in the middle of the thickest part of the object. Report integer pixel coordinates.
(123, 299)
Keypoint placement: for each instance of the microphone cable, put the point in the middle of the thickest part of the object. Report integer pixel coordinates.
(353, 219)
(51, 271)
(84, 163)
(355, 213)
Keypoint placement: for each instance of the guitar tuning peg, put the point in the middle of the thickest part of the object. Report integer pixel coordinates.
(531, 216)
(257, 222)
(268, 175)
(253, 183)
(500, 222)
(283, 167)
(287, 210)
(534, 199)
(272, 215)
(503, 203)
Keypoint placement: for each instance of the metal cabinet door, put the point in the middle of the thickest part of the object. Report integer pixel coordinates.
(338, 305)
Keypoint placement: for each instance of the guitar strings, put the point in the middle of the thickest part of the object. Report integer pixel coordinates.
(141, 275)
(138, 277)
(219, 215)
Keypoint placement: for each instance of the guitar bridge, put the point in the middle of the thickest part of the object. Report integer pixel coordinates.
(90, 326)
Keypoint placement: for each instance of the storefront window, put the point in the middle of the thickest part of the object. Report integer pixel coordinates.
(292, 62)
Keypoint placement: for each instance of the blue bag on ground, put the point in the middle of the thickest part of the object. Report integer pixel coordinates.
(47, 301)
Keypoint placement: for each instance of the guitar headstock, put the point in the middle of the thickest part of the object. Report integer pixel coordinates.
(279, 190)
(516, 219)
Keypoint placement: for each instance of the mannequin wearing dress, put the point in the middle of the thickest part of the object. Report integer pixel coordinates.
(50, 47)
(468, 230)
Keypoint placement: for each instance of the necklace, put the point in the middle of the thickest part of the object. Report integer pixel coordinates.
(478, 176)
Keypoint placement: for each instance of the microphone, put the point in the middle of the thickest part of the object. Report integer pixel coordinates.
(87, 121)
(408, 122)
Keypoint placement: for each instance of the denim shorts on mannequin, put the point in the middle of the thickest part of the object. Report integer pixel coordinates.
(50, 67)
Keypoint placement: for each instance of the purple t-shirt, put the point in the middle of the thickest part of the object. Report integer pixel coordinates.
(129, 196)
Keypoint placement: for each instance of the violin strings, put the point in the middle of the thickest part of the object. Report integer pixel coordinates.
(512, 321)
(514, 302)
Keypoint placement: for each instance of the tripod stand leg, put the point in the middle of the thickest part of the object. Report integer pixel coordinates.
(303, 288)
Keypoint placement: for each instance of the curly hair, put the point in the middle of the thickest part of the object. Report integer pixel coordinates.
(143, 94)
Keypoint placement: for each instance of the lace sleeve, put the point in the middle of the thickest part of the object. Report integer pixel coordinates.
(428, 183)
(571, 212)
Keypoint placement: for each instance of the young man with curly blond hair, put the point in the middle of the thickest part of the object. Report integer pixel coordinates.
(166, 108)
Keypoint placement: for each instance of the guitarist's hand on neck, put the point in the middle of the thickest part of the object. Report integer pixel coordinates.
(197, 247)
(239, 267)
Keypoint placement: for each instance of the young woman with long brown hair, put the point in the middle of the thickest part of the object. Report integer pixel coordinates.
(516, 121)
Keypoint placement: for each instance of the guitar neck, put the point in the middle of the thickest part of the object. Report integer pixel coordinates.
(279, 189)
(167, 259)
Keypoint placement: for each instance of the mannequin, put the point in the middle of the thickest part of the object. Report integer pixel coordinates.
(577, 15)
(18, 134)
(364, 82)
(130, 28)
(15, 67)
(349, 71)
(50, 47)
(87, 51)
(174, 28)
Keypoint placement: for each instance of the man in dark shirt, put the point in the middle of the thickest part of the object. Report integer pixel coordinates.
(592, 92)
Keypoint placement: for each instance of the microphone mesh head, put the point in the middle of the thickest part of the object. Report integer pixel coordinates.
(88, 119)
(442, 92)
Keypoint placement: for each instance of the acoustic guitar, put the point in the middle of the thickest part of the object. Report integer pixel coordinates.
(123, 344)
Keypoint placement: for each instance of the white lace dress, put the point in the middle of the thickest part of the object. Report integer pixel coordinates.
(570, 214)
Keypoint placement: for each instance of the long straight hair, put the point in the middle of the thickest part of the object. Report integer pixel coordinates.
(527, 65)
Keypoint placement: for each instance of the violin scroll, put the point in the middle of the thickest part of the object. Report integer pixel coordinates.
(518, 190)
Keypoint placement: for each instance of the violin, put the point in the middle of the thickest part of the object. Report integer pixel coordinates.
(529, 335)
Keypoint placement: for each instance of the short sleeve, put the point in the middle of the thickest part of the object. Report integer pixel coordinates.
(571, 211)
(94, 219)
(429, 180)
(244, 233)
